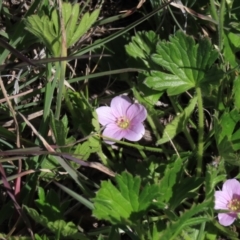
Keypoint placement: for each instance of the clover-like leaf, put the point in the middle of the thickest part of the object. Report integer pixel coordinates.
(124, 203)
(187, 64)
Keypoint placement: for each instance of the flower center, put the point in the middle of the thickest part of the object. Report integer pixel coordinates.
(123, 122)
(234, 205)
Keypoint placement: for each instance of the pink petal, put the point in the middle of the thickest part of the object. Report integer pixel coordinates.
(105, 115)
(135, 132)
(231, 187)
(119, 106)
(226, 219)
(221, 200)
(113, 131)
(136, 113)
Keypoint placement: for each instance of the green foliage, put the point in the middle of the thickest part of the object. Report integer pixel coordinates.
(227, 137)
(186, 220)
(85, 149)
(236, 91)
(126, 203)
(60, 131)
(231, 46)
(188, 65)
(143, 44)
(170, 178)
(48, 28)
(51, 216)
(168, 189)
(178, 124)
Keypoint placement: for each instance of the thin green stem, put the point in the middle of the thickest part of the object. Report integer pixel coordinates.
(142, 153)
(137, 146)
(60, 90)
(153, 127)
(200, 132)
(177, 107)
(62, 65)
(139, 230)
(106, 161)
(220, 25)
(213, 10)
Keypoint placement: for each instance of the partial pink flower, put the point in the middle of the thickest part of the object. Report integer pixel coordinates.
(123, 119)
(228, 199)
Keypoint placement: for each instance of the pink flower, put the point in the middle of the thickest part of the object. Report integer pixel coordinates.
(122, 119)
(228, 199)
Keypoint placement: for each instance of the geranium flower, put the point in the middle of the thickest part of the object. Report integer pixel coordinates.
(228, 199)
(123, 119)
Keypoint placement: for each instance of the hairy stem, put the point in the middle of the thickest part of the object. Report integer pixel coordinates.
(200, 132)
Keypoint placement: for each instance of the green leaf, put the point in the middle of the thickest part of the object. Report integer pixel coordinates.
(83, 150)
(58, 227)
(123, 204)
(49, 162)
(141, 47)
(188, 188)
(43, 28)
(225, 126)
(68, 14)
(71, 23)
(60, 129)
(186, 220)
(65, 229)
(228, 141)
(178, 124)
(169, 180)
(36, 216)
(231, 46)
(85, 24)
(41, 194)
(50, 207)
(187, 64)
(44, 237)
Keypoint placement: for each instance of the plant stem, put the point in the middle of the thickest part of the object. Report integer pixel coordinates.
(221, 24)
(134, 145)
(213, 10)
(200, 132)
(61, 89)
(62, 65)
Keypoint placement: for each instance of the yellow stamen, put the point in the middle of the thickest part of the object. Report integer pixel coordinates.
(123, 122)
(234, 205)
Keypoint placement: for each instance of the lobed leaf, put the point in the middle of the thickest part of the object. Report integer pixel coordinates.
(143, 44)
(186, 63)
(45, 31)
(123, 204)
(169, 180)
(85, 24)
